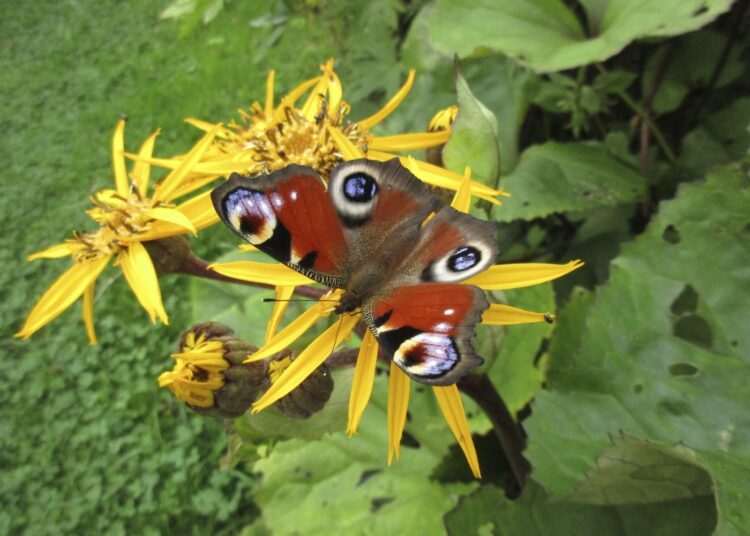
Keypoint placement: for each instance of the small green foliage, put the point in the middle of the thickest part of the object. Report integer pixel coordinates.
(474, 141)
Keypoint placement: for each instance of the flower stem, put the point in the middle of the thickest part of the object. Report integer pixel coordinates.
(645, 117)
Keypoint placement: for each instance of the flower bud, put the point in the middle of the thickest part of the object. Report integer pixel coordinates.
(209, 374)
(442, 120)
(168, 254)
(307, 398)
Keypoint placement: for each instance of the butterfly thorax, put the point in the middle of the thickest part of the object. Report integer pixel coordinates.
(364, 282)
(349, 302)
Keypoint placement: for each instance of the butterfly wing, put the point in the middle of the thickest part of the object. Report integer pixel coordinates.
(288, 215)
(381, 206)
(452, 246)
(423, 319)
(427, 329)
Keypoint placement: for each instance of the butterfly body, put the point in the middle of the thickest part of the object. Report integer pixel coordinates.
(366, 234)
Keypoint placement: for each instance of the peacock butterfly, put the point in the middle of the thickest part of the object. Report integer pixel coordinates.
(367, 235)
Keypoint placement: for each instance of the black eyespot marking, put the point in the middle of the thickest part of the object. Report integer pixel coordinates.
(464, 258)
(308, 261)
(360, 188)
(382, 319)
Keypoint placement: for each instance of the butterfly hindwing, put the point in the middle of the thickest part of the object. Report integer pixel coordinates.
(452, 246)
(427, 329)
(288, 215)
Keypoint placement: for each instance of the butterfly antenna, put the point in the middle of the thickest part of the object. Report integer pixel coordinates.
(336, 338)
(267, 300)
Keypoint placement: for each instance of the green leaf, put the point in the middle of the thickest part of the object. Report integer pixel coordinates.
(664, 351)
(731, 474)
(503, 87)
(487, 511)
(720, 138)
(240, 307)
(569, 326)
(564, 177)
(633, 471)
(547, 36)
(311, 486)
(473, 140)
(517, 368)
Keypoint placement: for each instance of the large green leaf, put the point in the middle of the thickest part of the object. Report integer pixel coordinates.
(664, 351)
(517, 365)
(633, 471)
(487, 511)
(565, 177)
(547, 36)
(308, 487)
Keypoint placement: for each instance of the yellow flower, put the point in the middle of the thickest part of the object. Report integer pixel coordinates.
(498, 277)
(443, 119)
(128, 217)
(317, 134)
(197, 371)
(209, 374)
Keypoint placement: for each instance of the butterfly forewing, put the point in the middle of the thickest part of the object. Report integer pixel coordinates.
(289, 216)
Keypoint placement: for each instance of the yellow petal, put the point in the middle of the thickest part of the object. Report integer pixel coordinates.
(283, 294)
(364, 376)
(348, 150)
(64, 291)
(269, 93)
(174, 180)
(437, 176)
(449, 400)
(54, 252)
(290, 333)
(462, 199)
(290, 98)
(310, 109)
(409, 142)
(508, 276)
(141, 276)
(385, 111)
(118, 158)
(205, 126)
(335, 93)
(195, 182)
(214, 168)
(173, 216)
(142, 169)
(88, 312)
(265, 273)
(500, 314)
(200, 210)
(398, 404)
(310, 359)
